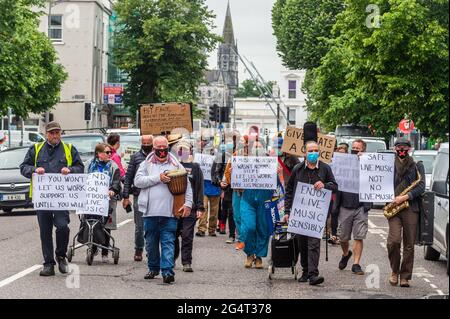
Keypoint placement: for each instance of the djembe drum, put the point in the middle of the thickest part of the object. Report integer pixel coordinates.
(177, 187)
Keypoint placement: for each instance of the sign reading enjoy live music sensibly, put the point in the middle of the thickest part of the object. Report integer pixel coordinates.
(205, 162)
(254, 172)
(309, 211)
(59, 192)
(293, 144)
(97, 198)
(160, 118)
(346, 172)
(376, 177)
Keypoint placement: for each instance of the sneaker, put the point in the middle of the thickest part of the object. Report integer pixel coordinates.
(188, 268)
(356, 269)
(304, 277)
(258, 263)
(404, 283)
(249, 261)
(138, 255)
(63, 266)
(47, 271)
(200, 234)
(240, 246)
(230, 240)
(393, 279)
(151, 274)
(104, 259)
(344, 260)
(316, 280)
(212, 234)
(168, 279)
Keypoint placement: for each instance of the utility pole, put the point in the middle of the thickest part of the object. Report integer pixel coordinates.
(9, 127)
(49, 21)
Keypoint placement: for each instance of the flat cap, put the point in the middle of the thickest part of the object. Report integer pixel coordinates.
(52, 126)
(402, 141)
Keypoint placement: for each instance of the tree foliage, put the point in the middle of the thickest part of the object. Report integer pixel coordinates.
(30, 77)
(249, 88)
(163, 46)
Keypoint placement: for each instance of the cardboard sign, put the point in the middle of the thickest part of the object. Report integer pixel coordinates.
(253, 172)
(57, 192)
(97, 198)
(345, 169)
(309, 211)
(159, 118)
(376, 177)
(293, 144)
(206, 162)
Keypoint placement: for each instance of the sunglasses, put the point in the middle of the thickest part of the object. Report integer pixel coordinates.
(108, 152)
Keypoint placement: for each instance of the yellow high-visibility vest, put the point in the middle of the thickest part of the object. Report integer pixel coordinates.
(38, 147)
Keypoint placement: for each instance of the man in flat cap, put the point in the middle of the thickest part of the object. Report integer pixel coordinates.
(52, 156)
(406, 173)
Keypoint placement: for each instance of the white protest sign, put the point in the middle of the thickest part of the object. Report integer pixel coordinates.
(346, 172)
(309, 211)
(97, 198)
(59, 192)
(205, 162)
(253, 172)
(376, 177)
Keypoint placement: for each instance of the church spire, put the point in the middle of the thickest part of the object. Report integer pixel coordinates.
(228, 33)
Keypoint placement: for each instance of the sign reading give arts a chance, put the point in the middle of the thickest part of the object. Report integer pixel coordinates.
(253, 172)
(309, 211)
(205, 162)
(376, 177)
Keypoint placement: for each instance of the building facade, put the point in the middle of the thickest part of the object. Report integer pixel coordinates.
(78, 30)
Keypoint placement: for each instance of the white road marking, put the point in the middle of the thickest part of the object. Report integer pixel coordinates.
(433, 286)
(440, 292)
(383, 245)
(21, 274)
(422, 272)
(377, 231)
(426, 280)
(126, 221)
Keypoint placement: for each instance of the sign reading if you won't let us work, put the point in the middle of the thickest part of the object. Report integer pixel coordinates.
(253, 172)
(309, 211)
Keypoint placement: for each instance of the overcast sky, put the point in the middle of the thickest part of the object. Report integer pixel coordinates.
(252, 25)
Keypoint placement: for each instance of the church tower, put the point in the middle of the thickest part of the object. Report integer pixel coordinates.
(227, 58)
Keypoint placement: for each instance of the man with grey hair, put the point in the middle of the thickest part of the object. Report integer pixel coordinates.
(156, 203)
(315, 172)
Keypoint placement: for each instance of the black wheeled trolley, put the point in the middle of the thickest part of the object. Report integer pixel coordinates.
(283, 250)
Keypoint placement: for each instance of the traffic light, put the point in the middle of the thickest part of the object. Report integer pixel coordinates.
(87, 111)
(214, 113)
(224, 115)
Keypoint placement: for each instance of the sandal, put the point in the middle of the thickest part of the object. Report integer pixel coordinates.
(334, 240)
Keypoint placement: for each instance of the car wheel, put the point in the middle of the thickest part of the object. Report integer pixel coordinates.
(430, 253)
(7, 210)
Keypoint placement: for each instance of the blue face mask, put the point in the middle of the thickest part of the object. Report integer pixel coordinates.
(222, 147)
(313, 157)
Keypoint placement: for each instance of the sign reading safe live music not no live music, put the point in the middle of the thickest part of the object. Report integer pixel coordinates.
(293, 144)
(159, 118)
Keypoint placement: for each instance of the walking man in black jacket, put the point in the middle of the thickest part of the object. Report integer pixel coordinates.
(129, 188)
(52, 156)
(317, 173)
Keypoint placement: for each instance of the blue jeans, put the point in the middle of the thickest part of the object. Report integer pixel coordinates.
(160, 230)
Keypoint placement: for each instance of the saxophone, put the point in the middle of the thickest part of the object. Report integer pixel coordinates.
(392, 209)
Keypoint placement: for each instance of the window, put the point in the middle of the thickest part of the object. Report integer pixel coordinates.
(56, 28)
(292, 89)
(291, 116)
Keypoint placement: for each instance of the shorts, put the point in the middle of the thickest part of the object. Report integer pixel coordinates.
(352, 221)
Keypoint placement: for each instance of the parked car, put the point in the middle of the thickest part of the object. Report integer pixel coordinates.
(427, 157)
(84, 143)
(14, 188)
(353, 130)
(29, 138)
(124, 131)
(439, 186)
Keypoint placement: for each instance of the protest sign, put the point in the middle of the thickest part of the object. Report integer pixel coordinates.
(253, 172)
(293, 144)
(97, 198)
(59, 192)
(164, 117)
(346, 172)
(376, 177)
(205, 162)
(309, 211)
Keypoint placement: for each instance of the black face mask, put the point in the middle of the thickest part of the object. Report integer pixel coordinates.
(162, 153)
(402, 153)
(147, 149)
(355, 152)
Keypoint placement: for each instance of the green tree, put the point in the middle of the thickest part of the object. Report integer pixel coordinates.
(30, 78)
(249, 88)
(163, 46)
(379, 75)
(302, 28)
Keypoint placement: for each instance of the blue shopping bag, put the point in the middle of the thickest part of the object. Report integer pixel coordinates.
(272, 214)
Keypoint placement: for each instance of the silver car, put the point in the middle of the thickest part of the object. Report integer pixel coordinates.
(427, 158)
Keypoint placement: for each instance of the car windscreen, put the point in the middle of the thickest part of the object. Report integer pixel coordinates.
(374, 146)
(427, 160)
(12, 159)
(84, 144)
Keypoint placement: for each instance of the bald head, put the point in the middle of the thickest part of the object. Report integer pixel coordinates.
(147, 139)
